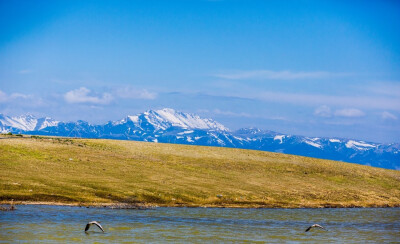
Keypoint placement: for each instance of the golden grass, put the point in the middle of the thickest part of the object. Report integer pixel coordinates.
(92, 171)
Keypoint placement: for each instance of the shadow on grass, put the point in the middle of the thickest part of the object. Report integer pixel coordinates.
(39, 197)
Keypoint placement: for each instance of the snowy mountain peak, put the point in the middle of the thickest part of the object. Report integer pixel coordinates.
(26, 122)
(189, 121)
(167, 110)
(133, 118)
(165, 118)
(45, 122)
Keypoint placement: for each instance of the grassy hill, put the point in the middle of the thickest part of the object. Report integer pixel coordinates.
(91, 171)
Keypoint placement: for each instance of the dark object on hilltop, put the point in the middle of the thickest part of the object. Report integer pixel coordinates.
(314, 226)
(93, 223)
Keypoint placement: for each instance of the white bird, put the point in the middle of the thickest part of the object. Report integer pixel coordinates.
(315, 226)
(93, 223)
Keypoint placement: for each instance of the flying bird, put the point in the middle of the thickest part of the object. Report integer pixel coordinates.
(93, 223)
(315, 226)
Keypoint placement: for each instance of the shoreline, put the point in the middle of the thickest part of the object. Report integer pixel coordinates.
(145, 206)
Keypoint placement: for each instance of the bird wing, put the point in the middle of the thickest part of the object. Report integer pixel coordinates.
(87, 227)
(313, 226)
(98, 225)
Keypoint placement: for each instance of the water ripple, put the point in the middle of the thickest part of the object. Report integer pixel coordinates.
(58, 224)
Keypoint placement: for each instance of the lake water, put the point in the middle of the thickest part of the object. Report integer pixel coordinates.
(61, 224)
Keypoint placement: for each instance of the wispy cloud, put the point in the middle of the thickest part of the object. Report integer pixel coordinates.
(4, 97)
(20, 95)
(349, 112)
(323, 111)
(391, 89)
(326, 112)
(133, 93)
(21, 100)
(343, 101)
(229, 113)
(232, 114)
(277, 75)
(388, 116)
(304, 99)
(82, 95)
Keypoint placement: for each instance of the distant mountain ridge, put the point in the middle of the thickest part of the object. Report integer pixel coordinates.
(25, 123)
(170, 126)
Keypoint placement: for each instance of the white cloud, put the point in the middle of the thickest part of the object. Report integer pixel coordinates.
(323, 111)
(20, 95)
(132, 93)
(21, 100)
(277, 75)
(388, 116)
(82, 95)
(13, 96)
(349, 112)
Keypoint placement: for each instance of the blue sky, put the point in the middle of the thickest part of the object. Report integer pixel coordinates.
(315, 68)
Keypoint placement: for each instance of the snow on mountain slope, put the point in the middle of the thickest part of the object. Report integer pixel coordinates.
(166, 118)
(170, 117)
(45, 122)
(312, 143)
(25, 122)
(279, 138)
(360, 145)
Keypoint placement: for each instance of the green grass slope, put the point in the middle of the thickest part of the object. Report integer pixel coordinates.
(91, 171)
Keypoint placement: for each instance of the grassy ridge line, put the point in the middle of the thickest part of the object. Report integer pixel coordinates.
(92, 171)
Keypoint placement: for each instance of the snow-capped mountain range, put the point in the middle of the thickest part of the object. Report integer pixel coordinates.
(170, 126)
(25, 123)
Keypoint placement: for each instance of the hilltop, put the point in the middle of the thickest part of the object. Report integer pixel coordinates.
(97, 171)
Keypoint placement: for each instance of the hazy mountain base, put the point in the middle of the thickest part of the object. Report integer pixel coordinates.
(96, 172)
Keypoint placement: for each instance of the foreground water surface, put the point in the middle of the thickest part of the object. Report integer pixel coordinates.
(62, 224)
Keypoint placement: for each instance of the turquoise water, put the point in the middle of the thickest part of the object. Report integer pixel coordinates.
(61, 224)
